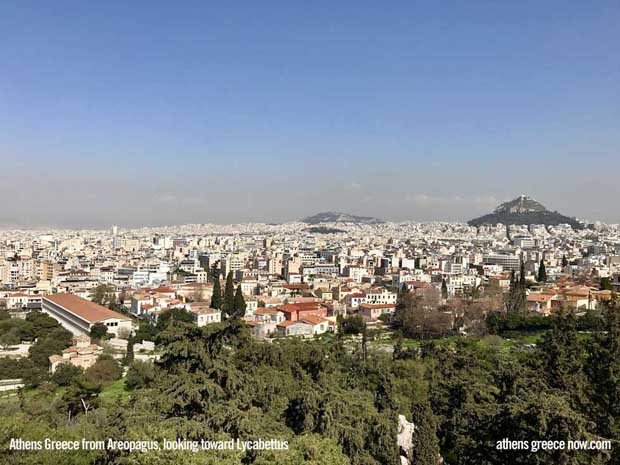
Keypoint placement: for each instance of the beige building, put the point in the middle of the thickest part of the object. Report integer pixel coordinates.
(82, 354)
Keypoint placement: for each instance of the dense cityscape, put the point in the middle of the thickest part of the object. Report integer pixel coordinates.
(309, 233)
(109, 301)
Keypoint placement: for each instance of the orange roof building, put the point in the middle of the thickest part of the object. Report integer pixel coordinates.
(79, 315)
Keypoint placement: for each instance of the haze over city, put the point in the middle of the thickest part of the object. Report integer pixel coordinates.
(155, 113)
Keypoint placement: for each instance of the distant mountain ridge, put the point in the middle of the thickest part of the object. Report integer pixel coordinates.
(524, 210)
(336, 217)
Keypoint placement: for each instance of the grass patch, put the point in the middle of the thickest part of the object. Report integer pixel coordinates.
(114, 392)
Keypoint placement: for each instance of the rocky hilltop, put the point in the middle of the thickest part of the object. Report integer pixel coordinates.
(524, 210)
(335, 217)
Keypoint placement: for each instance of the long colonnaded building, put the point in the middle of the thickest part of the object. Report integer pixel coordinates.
(79, 315)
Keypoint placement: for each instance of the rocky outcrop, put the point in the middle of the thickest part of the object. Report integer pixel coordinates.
(405, 440)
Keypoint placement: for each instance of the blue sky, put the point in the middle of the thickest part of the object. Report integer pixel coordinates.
(172, 112)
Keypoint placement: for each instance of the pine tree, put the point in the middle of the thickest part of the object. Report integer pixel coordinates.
(239, 304)
(425, 449)
(216, 299)
(444, 289)
(542, 272)
(228, 305)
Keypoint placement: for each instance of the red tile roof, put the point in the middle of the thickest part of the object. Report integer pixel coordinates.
(83, 308)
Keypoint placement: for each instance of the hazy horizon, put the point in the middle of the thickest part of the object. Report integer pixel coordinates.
(155, 113)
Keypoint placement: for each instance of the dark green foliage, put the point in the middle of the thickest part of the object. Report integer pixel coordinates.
(80, 397)
(146, 332)
(605, 284)
(353, 324)
(129, 355)
(99, 332)
(11, 368)
(14, 331)
(603, 371)
(337, 401)
(238, 304)
(174, 314)
(384, 393)
(54, 343)
(42, 324)
(561, 354)
(65, 374)
(140, 375)
(499, 323)
(444, 289)
(425, 442)
(216, 299)
(9, 338)
(542, 272)
(228, 304)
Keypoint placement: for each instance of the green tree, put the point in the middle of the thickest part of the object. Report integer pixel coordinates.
(9, 338)
(80, 397)
(516, 297)
(239, 305)
(42, 324)
(561, 355)
(605, 284)
(55, 342)
(603, 372)
(65, 374)
(146, 332)
(542, 272)
(18, 329)
(384, 394)
(173, 314)
(216, 299)
(353, 324)
(105, 295)
(99, 331)
(425, 443)
(228, 305)
(140, 374)
(104, 371)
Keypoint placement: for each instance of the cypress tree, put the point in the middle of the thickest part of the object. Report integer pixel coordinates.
(239, 304)
(603, 371)
(516, 298)
(444, 289)
(561, 355)
(228, 305)
(425, 443)
(384, 394)
(542, 272)
(216, 299)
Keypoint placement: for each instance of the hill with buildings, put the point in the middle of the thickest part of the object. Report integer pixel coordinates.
(524, 210)
(335, 217)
